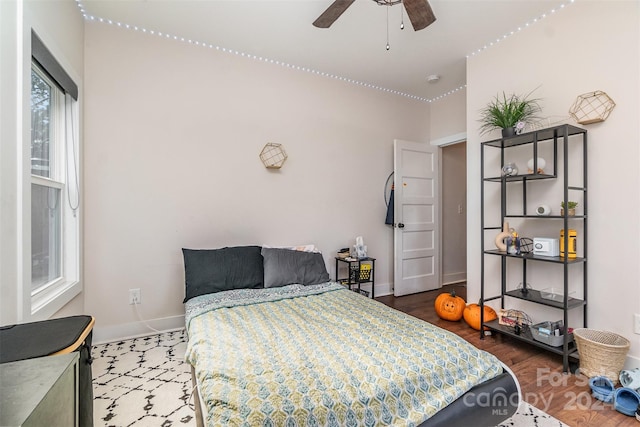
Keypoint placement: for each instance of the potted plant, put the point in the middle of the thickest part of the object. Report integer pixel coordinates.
(571, 206)
(507, 112)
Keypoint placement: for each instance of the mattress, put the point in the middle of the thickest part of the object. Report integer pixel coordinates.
(322, 355)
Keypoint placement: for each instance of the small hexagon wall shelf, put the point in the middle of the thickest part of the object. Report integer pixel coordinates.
(273, 155)
(592, 107)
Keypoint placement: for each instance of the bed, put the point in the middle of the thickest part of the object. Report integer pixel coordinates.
(274, 342)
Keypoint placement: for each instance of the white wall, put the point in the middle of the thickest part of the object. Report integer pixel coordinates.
(569, 53)
(449, 115)
(173, 133)
(61, 28)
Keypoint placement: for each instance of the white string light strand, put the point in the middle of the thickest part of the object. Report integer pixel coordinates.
(520, 28)
(248, 55)
(310, 70)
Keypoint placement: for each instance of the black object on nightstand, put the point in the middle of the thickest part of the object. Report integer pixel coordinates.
(359, 270)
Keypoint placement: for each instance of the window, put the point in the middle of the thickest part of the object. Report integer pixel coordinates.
(46, 183)
(55, 230)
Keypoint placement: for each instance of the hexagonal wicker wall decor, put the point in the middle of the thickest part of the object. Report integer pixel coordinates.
(592, 107)
(273, 155)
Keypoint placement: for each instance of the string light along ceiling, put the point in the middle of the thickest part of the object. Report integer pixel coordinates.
(92, 18)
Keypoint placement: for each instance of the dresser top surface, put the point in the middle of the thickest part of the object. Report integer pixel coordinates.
(25, 383)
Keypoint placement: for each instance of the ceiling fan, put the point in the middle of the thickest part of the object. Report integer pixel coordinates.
(419, 11)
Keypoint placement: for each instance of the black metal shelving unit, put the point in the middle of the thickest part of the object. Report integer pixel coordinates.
(562, 137)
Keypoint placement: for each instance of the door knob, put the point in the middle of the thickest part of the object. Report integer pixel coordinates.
(400, 225)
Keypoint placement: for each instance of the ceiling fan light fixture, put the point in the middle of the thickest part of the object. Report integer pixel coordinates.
(388, 2)
(419, 12)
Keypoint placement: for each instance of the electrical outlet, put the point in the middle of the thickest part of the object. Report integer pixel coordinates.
(460, 209)
(134, 296)
(636, 323)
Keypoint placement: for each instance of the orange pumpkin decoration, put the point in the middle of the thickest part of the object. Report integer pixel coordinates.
(449, 306)
(471, 315)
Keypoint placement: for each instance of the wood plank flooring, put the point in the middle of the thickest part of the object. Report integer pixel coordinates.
(566, 397)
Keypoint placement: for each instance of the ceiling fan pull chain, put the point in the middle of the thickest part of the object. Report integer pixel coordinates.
(401, 15)
(388, 28)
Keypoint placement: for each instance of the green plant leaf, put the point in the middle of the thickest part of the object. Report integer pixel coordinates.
(506, 111)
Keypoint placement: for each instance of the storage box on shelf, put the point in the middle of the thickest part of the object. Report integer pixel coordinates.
(550, 333)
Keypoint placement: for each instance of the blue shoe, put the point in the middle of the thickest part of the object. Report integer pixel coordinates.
(626, 401)
(630, 378)
(602, 388)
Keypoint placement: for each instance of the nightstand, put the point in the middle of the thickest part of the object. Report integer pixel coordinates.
(359, 271)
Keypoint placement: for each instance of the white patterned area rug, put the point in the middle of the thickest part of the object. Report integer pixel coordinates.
(145, 382)
(528, 415)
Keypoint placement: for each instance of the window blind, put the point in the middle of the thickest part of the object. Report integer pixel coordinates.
(52, 67)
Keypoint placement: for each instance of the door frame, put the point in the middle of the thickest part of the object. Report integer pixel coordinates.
(443, 142)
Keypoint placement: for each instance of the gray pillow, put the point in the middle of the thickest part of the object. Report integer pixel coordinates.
(285, 266)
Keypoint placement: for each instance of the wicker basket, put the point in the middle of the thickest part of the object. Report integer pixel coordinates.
(601, 353)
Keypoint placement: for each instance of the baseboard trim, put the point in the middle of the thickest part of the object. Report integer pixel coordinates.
(386, 289)
(451, 278)
(105, 334)
(632, 362)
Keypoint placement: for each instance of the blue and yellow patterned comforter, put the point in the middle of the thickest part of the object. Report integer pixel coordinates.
(323, 356)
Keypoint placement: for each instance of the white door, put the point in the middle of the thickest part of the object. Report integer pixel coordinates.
(416, 230)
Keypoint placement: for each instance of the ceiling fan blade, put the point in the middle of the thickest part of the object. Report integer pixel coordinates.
(332, 13)
(420, 13)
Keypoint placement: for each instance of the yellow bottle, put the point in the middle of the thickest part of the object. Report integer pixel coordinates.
(573, 234)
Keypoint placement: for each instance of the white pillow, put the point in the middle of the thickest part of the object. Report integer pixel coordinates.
(301, 248)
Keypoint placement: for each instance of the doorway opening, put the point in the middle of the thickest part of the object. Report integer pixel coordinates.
(454, 212)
